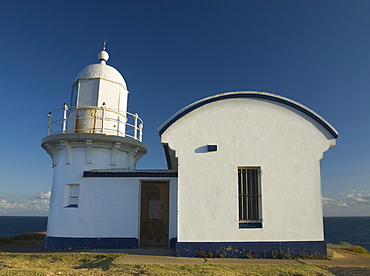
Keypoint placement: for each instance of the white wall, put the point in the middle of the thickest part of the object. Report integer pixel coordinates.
(285, 143)
(100, 201)
(108, 207)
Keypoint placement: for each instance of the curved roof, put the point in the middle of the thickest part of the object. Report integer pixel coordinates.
(101, 71)
(248, 94)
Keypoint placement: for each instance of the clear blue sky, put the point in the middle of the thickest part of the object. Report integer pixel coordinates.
(172, 53)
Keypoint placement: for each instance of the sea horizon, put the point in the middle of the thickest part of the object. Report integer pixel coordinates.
(346, 216)
(354, 230)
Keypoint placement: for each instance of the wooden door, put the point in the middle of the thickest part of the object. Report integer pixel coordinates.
(154, 213)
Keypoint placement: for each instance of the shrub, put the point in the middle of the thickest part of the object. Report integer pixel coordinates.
(312, 256)
(201, 253)
(280, 254)
(221, 253)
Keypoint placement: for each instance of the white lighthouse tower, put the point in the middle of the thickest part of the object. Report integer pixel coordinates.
(94, 132)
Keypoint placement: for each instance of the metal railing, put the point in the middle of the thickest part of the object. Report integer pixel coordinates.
(92, 119)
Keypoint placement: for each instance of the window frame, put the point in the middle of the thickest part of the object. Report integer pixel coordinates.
(249, 197)
(72, 195)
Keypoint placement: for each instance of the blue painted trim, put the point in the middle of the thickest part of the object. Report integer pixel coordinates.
(59, 243)
(250, 225)
(173, 242)
(225, 96)
(258, 249)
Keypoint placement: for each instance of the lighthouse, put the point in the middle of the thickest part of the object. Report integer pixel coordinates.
(93, 131)
(246, 163)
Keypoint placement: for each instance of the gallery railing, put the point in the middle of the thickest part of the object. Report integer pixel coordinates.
(92, 119)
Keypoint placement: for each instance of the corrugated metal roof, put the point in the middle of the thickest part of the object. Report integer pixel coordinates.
(117, 172)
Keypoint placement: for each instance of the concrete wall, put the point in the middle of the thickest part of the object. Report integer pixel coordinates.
(286, 143)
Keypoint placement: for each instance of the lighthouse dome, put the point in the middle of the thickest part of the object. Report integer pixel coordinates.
(101, 71)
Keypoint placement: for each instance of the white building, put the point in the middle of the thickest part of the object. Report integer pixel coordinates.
(243, 173)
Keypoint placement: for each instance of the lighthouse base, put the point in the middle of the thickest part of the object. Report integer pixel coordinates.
(62, 243)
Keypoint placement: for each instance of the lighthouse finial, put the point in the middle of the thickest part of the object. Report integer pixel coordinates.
(105, 42)
(103, 55)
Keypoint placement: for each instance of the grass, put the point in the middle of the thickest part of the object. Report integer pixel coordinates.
(38, 236)
(103, 264)
(355, 249)
(20, 240)
(358, 250)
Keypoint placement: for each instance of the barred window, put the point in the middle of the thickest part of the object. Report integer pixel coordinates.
(250, 195)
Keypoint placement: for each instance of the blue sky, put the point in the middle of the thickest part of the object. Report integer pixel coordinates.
(172, 53)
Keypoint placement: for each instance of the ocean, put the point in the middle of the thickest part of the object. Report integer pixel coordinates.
(13, 226)
(354, 230)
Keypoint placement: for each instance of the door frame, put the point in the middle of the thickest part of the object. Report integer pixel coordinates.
(166, 182)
